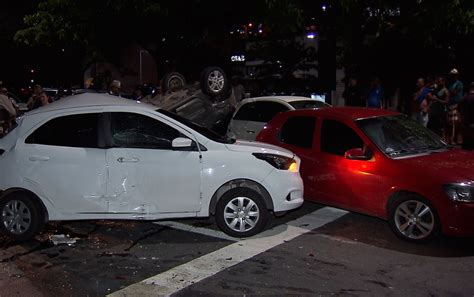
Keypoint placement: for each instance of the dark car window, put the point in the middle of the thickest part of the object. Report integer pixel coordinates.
(259, 111)
(71, 131)
(133, 130)
(298, 131)
(246, 113)
(337, 138)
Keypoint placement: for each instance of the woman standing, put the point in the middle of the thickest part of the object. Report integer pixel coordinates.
(437, 111)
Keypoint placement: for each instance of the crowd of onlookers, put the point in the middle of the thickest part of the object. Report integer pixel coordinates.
(10, 109)
(438, 103)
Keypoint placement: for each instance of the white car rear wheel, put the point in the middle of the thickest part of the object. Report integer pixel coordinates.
(21, 216)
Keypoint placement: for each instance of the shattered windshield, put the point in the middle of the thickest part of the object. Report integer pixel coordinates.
(198, 128)
(399, 136)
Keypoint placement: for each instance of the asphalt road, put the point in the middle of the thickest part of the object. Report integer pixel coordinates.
(353, 255)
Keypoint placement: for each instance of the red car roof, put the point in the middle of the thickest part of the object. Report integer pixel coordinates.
(353, 113)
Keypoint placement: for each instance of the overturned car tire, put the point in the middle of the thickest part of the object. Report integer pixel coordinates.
(173, 81)
(214, 82)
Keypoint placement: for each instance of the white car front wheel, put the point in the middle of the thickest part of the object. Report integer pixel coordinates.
(241, 212)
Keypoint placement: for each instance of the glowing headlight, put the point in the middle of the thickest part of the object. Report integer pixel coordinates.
(279, 162)
(462, 192)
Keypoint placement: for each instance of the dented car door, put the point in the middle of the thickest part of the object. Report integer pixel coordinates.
(142, 168)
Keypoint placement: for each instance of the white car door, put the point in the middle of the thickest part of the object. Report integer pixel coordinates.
(145, 174)
(251, 117)
(64, 164)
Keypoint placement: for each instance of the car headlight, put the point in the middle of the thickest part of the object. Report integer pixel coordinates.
(279, 162)
(462, 192)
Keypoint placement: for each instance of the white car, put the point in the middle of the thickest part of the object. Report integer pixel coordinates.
(254, 113)
(94, 156)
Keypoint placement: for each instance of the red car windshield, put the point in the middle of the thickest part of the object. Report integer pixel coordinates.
(400, 136)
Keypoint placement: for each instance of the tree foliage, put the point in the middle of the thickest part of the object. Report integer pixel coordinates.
(379, 34)
(94, 25)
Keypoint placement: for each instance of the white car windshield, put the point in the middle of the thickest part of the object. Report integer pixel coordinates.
(399, 136)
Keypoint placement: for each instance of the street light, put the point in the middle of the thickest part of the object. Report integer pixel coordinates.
(141, 67)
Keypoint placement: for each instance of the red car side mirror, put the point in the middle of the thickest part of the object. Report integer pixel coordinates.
(357, 154)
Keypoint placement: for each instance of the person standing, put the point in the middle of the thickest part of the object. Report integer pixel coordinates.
(7, 111)
(238, 89)
(455, 88)
(114, 88)
(33, 100)
(376, 94)
(438, 100)
(420, 105)
(353, 94)
(42, 100)
(466, 109)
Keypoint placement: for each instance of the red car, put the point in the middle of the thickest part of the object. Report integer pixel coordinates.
(383, 164)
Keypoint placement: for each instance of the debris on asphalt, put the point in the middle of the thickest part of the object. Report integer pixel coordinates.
(58, 239)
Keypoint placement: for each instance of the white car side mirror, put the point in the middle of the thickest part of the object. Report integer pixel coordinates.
(181, 142)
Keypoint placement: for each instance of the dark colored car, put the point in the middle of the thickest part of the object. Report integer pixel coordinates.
(383, 164)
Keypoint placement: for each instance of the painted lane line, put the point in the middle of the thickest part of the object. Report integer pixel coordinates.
(199, 230)
(180, 277)
(318, 218)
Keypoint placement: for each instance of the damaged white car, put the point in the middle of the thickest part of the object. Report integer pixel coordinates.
(95, 156)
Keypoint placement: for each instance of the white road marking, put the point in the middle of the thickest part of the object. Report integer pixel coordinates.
(198, 230)
(182, 276)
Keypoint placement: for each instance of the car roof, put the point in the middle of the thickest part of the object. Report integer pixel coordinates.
(286, 99)
(89, 100)
(353, 113)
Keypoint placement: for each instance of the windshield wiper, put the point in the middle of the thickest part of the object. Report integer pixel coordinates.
(431, 148)
(398, 152)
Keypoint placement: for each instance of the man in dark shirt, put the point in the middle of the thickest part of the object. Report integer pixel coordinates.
(353, 94)
(467, 115)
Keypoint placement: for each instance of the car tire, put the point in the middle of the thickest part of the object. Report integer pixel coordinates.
(413, 218)
(21, 216)
(214, 81)
(241, 212)
(173, 81)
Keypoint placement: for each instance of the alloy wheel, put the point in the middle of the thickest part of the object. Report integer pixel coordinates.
(216, 81)
(414, 219)
(16, 217)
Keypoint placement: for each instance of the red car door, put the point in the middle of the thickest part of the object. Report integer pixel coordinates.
(349, 183)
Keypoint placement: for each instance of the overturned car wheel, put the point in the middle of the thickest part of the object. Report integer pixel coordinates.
(173, 81)
(214, 81)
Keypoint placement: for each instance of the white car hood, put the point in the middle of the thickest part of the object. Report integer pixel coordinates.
(258, 147)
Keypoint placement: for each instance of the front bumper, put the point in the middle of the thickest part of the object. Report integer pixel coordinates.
(285, 188)
(458, 220)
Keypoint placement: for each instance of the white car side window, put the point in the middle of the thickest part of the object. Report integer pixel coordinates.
(78, 130)
(133, 130)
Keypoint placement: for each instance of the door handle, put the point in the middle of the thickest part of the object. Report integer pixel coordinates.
(128, 160)
(38, 158)
(250, 131)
